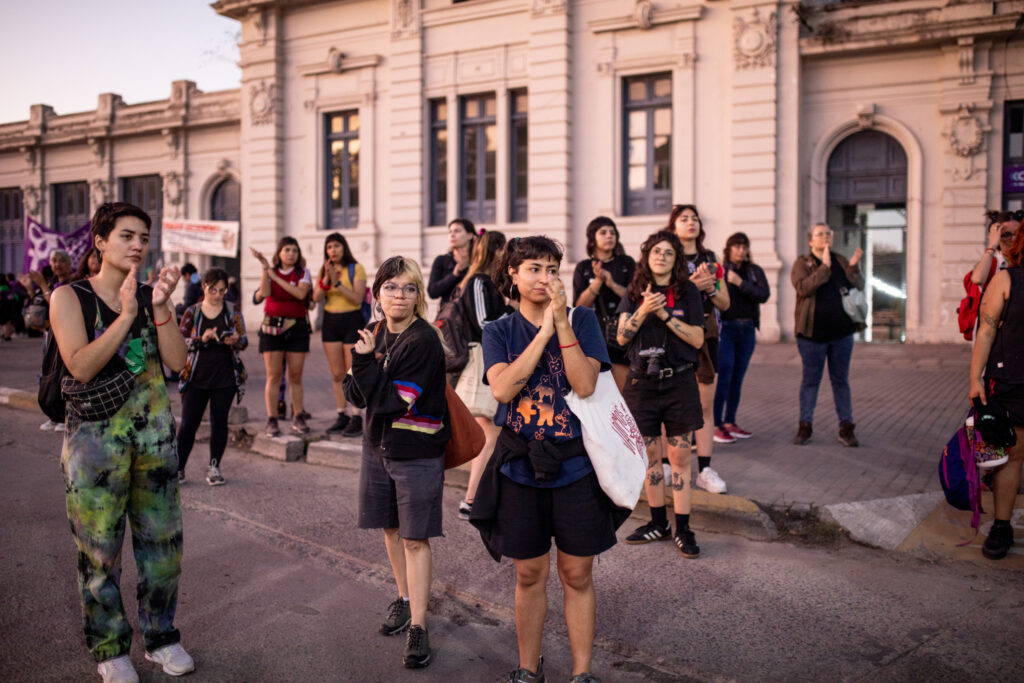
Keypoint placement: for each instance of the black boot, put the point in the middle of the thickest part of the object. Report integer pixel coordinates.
(803, 434)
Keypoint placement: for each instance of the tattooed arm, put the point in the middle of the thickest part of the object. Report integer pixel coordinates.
(691, 334)
(992, 304)
(629, 324)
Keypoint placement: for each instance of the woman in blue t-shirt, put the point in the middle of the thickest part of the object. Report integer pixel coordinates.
(539, 482)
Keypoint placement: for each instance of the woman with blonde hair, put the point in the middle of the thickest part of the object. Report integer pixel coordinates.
(398, 376)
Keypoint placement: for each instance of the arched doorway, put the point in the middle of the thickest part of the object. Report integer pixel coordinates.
(226, 205)
(867, 207)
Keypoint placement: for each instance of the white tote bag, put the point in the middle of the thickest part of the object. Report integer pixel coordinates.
(612, 440)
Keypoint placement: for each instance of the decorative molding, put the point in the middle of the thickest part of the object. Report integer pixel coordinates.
(755, 40)
(405, 18)
(30, 199)
(645, 16)
(866, 116)
(172, 138)
(540, 8)
(967, 135)
(262, 103)
(98, 191)
(338, 62)
(261, 21)
(223, 165)
(173, 188)
(31, 157)
(965, 47)
(98, 147)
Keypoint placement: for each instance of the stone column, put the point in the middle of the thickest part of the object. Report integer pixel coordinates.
(262, 143)
(753, 187)
(407, 186)
(550, 120)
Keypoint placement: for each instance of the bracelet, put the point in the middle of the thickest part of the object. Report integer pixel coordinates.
(321, 283)
(164, 322)
(569, 346)
(990, 249)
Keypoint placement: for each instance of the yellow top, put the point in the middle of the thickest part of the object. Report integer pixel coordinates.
(336, 301)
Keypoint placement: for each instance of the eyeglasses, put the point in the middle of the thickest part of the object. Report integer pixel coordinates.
(822, 234)
(217, 290)
(1007, 235)
(391, 290)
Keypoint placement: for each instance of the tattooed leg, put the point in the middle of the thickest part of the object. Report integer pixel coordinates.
(654, 483)
(679, 458)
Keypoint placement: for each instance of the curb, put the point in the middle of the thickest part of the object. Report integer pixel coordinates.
(20, 398)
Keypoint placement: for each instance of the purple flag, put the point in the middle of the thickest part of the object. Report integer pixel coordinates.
(40, 242)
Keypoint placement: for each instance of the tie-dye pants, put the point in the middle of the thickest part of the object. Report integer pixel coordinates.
(126, 467)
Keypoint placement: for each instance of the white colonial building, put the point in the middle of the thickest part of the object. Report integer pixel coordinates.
(898, 122)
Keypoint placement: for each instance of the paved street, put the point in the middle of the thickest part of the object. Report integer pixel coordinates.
(278, 585)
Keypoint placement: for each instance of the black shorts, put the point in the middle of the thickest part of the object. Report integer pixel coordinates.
(578, 516)
(401, 494)
(1010, 396)
(342, 327)
(295, 340)
(672, 402)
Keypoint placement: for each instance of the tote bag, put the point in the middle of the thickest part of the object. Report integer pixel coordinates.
(612, 440)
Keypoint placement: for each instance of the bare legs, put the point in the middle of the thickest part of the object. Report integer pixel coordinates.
(576, 575)
(704, 435)
(476, 468)
(336, 359)
(296, 360)
(678, 449)
(272, 362)
(411, 565)
(1007, 479)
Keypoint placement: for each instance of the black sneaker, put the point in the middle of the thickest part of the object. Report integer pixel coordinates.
(687, 544)
(652, 531)
(522, 675)
(586, 677)
(417, 648)
(465, 509)
(399, 616)
(299, 425)
(354, 426)
(272, 428)
(339, 425)
(998, 543)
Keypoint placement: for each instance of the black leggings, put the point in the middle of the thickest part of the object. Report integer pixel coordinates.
(193, 405)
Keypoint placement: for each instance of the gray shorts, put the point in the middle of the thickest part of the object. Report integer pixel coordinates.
(401, 494)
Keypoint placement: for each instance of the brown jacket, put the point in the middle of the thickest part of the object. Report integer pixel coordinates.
(807, 276)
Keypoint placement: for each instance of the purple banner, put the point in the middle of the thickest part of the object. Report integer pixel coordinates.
(40, 242)
(1013, 179)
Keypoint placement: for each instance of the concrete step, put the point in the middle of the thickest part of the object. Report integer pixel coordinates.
(286, 447)
(343, 453)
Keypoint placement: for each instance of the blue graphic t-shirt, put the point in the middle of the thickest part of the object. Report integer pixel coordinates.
(539, 411)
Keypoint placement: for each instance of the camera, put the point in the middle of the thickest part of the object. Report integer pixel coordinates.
(654, 359)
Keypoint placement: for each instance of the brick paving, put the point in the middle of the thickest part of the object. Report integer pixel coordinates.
(907, 401)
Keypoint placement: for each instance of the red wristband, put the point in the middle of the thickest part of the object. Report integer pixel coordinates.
(569, 346)
(164, 322)
(322, 286)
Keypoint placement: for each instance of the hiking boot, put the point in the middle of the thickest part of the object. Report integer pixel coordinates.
(846, 436)
(339, 425)
(803, 433)
(723, 436)
(686, 542)
(998, 543)
(417, 648)
(736, 432)
(399, 616)
(213, 476)
(118, 670)
(173, 659)
(465, 509)
(354, 426)
(272, 428)
(522, 675)
(299, 425)
(709, 480)
(652, 531)
(585, 677)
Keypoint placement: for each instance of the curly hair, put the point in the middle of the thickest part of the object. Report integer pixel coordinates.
(1015, 252)
(517, 250)
(597, 224)
(680, 277)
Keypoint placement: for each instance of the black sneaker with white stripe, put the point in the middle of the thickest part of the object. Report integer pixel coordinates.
(652, 531)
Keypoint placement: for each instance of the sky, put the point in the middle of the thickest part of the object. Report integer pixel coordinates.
(64, 53)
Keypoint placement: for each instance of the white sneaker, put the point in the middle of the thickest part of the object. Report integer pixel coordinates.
(118, 670)
(48, 426)
(709, 480)
(173, 659)
(59, 427)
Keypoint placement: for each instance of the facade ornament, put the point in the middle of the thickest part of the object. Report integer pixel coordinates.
(261, 103)
(966, 133)
(98, 148)
(98, 191)
(261, 22)
(542, 7)
(30, 200)
(223, 165)
(755, 40)
(30, 156)
(335, 59)
(173, 140)
(172, 188)
(642, 13)
(965, 48)
(405, 18)
(865, 116)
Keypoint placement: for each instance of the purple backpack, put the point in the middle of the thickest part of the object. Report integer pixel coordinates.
(959, 477)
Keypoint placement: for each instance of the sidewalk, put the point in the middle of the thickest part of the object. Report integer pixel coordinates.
(908, 400)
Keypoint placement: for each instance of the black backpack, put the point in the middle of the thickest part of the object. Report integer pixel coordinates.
(453, 322)
(50, 398)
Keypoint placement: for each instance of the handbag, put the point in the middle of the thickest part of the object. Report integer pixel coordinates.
(612, 440)
(609, 326)
(471, 388)
(855, 304)
(275, 326)
(99, 398)
(467, 438)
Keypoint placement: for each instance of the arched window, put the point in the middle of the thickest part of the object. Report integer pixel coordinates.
(226, 205)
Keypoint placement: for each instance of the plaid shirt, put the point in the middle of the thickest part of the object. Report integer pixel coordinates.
(190, 331)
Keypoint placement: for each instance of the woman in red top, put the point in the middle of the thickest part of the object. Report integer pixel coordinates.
(284, 334)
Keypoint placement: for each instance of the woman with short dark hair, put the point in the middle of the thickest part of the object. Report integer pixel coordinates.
(214, 333)
(450, 267)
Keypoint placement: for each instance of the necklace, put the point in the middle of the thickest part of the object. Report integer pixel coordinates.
(388, 347)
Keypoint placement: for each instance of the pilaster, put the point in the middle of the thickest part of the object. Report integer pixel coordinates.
(406, 177)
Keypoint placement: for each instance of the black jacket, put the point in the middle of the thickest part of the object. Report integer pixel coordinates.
(746, 298)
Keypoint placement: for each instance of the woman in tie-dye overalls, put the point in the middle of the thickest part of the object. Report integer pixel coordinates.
(126, 465)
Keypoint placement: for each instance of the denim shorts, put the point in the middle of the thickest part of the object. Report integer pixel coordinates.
(401, 494)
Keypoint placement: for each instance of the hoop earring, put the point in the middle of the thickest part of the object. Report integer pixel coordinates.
(510, 288)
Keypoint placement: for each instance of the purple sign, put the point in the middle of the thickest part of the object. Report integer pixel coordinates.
(40, 242)
(1013, 179)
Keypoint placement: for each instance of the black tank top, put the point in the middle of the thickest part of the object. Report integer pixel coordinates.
(1006, 360)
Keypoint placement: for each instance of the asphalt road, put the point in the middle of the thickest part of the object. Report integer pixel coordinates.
(278, 585)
